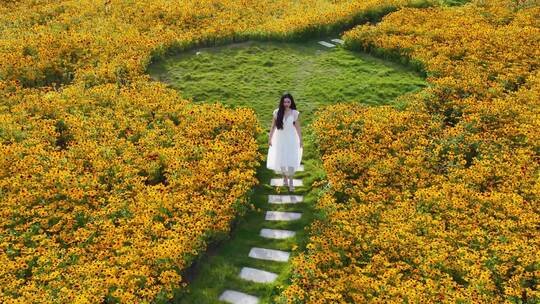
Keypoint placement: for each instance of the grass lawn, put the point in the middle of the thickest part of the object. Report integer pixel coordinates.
(255, 74)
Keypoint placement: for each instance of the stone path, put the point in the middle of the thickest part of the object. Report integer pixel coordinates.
(326, 44)
(257, 275)
(285, 199)
(331, 45)
(267, 254)
(276, 233)
(279, 182)
(282, 216)
(232, 296)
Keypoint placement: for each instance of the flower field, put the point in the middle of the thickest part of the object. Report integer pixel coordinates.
(436, 201)
(112, 184)
(109, 194)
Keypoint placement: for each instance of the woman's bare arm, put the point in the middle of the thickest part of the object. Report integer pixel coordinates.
(298, 128)
(271, 130)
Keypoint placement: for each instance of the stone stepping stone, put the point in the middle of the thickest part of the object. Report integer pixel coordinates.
(282, 216)
(276, 233)
(279, 182)
(257, 275)
(326, 44)
(236, 297)
(285, 199)
(300, 168)
(338, 41)
(269, 254)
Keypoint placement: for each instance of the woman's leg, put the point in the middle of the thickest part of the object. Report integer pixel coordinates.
(291, 174)
(284, 173)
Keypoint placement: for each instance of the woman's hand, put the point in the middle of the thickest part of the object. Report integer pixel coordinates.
(269, 142)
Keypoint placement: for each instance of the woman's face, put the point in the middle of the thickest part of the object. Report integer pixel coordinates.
(286, 102)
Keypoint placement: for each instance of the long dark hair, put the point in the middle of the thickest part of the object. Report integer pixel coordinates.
(281, 110)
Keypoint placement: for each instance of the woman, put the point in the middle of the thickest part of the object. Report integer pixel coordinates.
(285, 145)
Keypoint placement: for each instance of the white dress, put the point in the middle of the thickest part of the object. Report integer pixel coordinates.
(285, 153)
